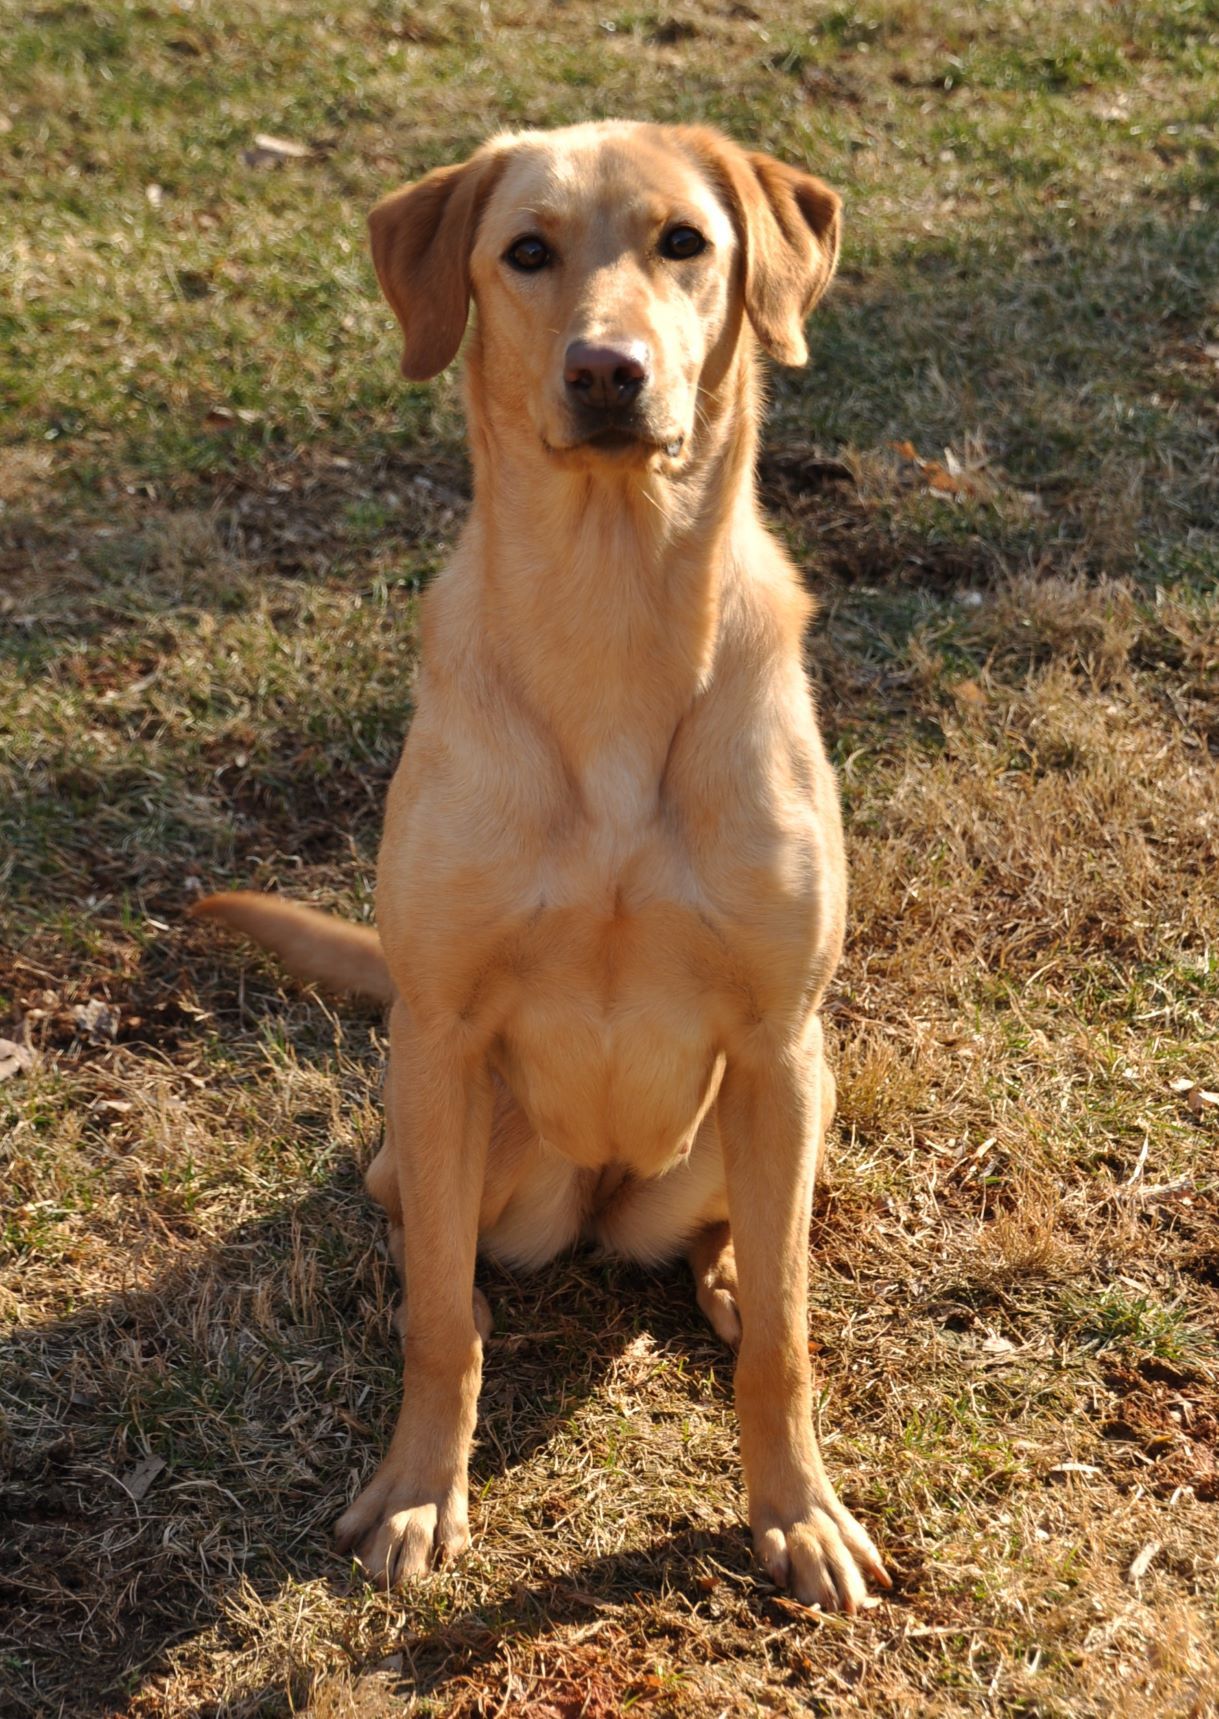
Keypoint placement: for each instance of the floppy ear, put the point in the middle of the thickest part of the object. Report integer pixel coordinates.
(789, 226)
(421, 241)
(793, 230)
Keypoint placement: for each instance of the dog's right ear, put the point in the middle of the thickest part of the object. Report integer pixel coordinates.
(421, 241)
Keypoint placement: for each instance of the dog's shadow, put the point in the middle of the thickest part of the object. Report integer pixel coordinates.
(177, 1453)
(559, 1331)
(688, 1558)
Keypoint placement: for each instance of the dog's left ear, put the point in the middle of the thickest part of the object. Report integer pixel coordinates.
(789, 226)
(794, 231)
(421, 240)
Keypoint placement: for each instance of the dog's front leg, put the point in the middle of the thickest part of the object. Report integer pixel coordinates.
(414, 1509)
(771, 1123)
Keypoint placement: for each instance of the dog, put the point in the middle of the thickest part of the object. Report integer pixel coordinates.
(611, 888)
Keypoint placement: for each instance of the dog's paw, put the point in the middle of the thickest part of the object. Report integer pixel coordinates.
(397, 1531)
(823, 1557)
(718, 1302)
(715, 1287)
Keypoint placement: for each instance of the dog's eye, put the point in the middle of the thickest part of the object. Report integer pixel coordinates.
(527, 254)
(682, 243)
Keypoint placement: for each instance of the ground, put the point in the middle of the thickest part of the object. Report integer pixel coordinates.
(218, 504)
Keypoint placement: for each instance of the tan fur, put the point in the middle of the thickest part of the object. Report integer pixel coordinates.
(611, 887)
(311, 945)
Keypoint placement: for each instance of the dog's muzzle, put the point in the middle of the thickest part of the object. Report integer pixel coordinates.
(607, 392)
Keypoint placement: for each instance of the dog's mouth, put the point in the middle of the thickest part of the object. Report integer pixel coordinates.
(618, 439)
(615, 440)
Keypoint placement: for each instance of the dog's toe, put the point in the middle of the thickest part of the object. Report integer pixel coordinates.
(822, 1559)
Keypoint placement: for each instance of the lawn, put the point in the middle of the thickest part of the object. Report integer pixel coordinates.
(218, 505)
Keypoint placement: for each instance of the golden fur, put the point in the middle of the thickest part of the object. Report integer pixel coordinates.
(611, 888)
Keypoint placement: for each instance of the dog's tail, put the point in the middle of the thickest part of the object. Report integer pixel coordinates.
(312, 946)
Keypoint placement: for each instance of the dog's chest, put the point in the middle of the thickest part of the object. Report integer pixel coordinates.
(610, 1040)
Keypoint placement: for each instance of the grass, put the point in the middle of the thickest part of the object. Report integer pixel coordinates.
(217, 507)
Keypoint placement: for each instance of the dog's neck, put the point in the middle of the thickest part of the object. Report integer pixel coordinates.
(602, 588)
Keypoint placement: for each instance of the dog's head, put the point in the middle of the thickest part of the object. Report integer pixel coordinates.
(614, 268)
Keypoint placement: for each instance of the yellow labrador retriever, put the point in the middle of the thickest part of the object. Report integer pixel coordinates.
(611, 889)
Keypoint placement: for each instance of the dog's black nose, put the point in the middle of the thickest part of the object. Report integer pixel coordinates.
(605, 376)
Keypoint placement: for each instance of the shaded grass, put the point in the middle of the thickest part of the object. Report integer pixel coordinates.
(218, 505)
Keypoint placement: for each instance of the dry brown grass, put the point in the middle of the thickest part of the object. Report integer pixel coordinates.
(206, 647)
(1016, 1262)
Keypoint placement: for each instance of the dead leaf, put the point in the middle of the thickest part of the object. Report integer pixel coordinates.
(137, 1480)
(956, 474)
(1198, 1098)
(269, 151)
(97, 1020)
(1160, 1190)
(1142, 1563)
(940, 478)
(1063, 1470)
(14, 1059)
(228, 417)
(998, 1346)
(969, 693)
(582, 1597)
(285, 146)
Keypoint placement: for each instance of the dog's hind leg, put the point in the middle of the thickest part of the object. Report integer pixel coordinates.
(713, 1266)
(829, 1105)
